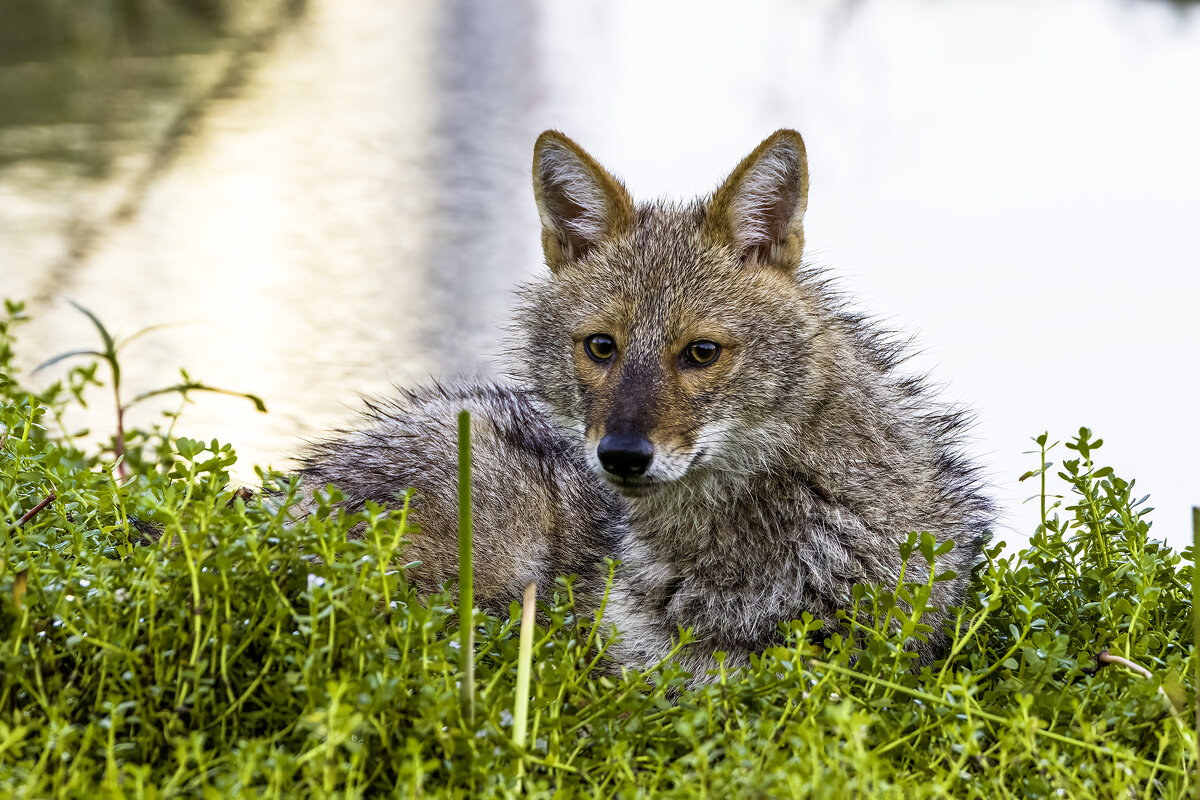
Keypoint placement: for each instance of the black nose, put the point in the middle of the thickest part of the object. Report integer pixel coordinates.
(625, 455)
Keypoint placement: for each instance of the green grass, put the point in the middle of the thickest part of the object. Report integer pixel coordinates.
(244, 655)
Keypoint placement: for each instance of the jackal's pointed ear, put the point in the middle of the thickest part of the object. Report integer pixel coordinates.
(759, 209)
(579, 202)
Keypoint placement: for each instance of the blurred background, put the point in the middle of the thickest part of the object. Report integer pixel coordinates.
(331, 196)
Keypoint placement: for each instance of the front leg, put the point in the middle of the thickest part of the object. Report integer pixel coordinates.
(638, 607)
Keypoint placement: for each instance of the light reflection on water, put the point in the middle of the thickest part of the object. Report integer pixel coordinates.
(348, 205)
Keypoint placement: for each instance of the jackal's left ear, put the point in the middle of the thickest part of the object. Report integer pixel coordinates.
(759, 209)
(579, 202)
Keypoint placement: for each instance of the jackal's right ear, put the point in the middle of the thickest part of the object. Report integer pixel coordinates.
(579, 202)
(759, 209)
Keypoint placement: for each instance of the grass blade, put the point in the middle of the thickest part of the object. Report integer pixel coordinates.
(466, 594)
(110, 346)
(193, 386)
(524, 664)
(1196, 627)
(50, 362)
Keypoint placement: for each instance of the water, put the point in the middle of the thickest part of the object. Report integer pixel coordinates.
(332, 196)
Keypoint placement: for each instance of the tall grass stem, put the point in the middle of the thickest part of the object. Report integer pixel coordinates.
(1196, 630)
(524, 664)
(466, 593)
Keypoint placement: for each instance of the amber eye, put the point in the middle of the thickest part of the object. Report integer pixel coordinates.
(599, 347)
(702, 353)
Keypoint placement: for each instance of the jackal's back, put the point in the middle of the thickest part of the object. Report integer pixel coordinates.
(538, 511)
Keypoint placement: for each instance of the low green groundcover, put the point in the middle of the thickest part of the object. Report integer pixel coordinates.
(243, 655)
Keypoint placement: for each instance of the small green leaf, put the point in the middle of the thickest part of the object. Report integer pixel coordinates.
(928, 545)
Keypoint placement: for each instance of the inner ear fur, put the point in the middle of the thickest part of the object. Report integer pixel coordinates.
(759, 209)
(580, 203)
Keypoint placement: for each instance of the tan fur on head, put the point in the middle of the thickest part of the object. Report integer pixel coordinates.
(657, 277)
(578, 201)
(759, 209)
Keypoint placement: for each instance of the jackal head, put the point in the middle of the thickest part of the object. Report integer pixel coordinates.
(675, 337)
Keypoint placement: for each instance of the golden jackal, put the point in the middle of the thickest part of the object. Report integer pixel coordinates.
(693, 401)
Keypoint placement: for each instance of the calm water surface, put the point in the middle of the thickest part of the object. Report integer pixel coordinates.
(332, 196)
